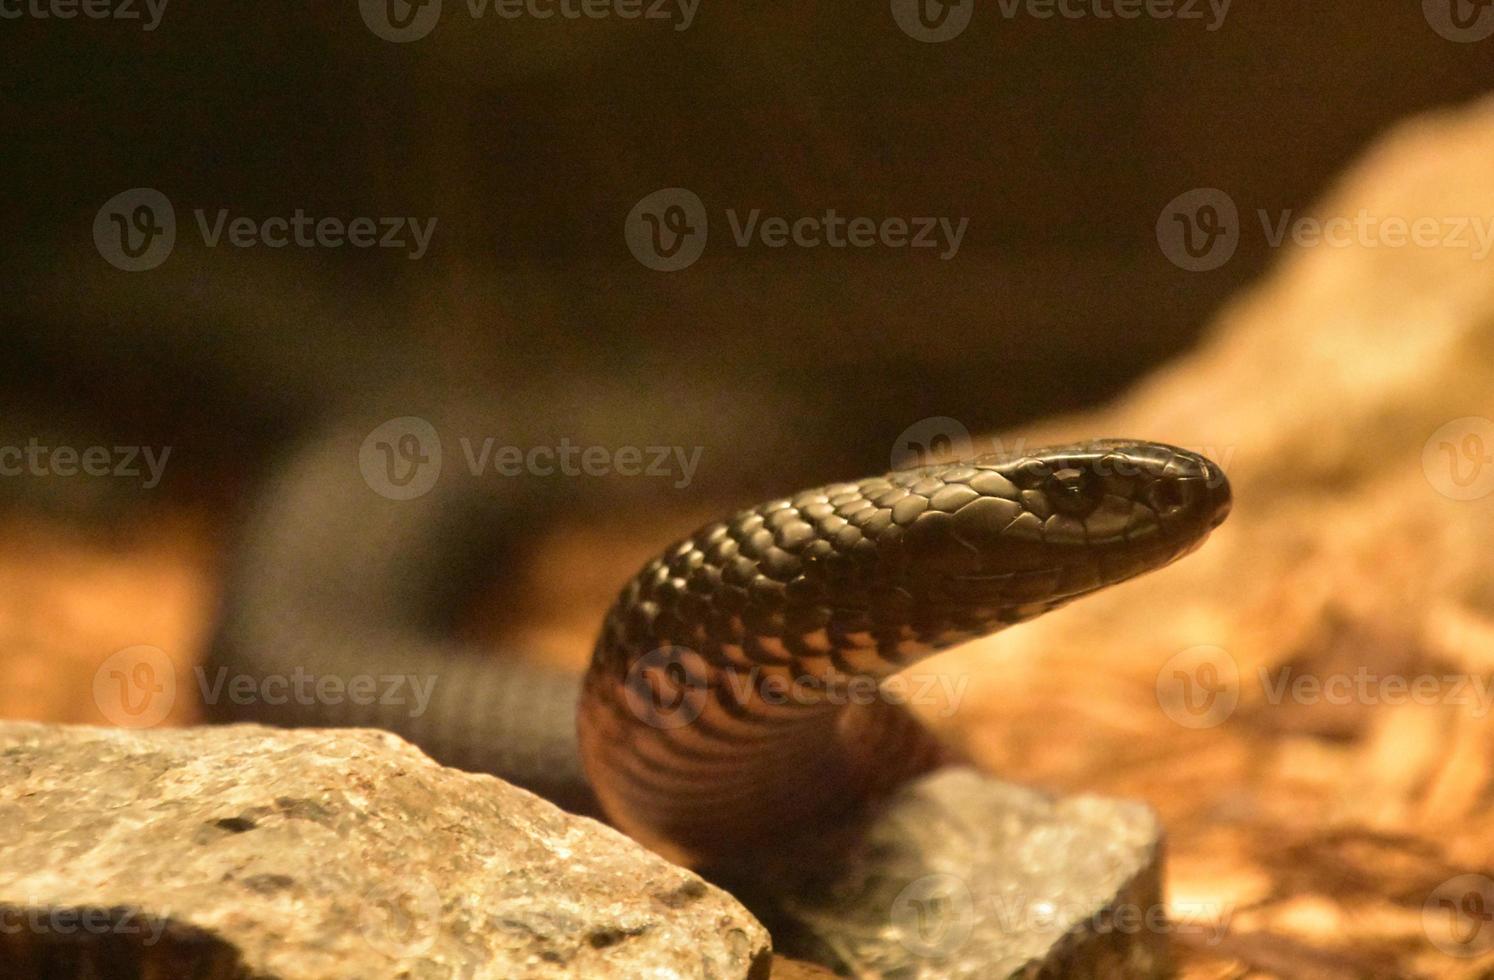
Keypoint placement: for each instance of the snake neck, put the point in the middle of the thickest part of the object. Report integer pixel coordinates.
(736, 687)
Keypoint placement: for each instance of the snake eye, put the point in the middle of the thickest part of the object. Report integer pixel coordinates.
(1073, 491)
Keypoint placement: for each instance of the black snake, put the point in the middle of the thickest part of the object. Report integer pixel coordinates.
(718, 704)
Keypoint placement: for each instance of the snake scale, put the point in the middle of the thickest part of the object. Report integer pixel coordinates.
(720, 702)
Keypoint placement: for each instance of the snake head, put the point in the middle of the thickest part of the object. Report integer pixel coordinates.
(1016, 535)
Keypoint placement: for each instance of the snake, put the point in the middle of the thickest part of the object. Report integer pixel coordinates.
(736, 690)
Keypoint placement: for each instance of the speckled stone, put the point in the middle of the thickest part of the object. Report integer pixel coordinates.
(248, 852)
(963, 876)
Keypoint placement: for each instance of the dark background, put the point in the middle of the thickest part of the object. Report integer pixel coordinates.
(530, 141)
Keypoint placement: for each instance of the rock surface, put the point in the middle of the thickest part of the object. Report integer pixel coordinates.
(242, 851)
(961, 875)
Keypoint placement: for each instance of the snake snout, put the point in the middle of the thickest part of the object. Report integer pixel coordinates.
(1188, 492)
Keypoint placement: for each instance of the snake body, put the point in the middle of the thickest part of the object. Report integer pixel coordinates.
(732, 692)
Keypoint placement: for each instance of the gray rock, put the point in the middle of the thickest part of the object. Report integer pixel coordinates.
(960, 875)
(250, 852)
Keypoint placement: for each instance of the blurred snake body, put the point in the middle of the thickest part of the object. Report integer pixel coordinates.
(726, 698)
